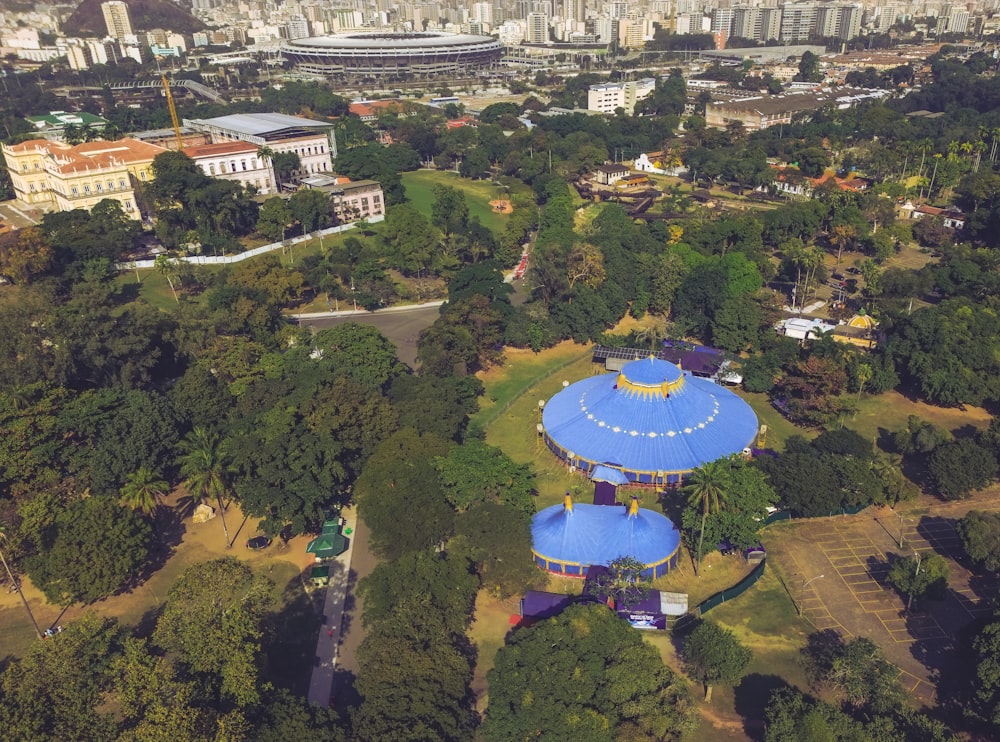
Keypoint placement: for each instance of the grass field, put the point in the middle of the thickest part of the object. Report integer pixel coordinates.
(154, 288)
(419, 187)
(294, 620)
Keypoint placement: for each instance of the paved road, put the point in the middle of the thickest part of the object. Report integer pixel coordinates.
(328, 641)
(402, 326)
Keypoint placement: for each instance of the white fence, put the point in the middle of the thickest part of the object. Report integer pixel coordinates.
(229, 259)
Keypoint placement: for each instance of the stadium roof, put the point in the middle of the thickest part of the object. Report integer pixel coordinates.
(390, 40)
(599, 534)
(651, 417)
(260, 124)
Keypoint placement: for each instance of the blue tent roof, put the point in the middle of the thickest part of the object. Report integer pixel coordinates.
(598, 534)
(608, 474)
(650, 417)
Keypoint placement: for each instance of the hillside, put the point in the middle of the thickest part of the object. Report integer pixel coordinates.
(87, 19)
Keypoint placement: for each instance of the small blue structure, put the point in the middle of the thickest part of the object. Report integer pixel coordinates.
(652, 421)
(568, 539)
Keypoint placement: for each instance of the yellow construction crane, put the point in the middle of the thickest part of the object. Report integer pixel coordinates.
(173, 113)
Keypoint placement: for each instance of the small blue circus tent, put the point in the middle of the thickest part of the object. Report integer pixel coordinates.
(567, 539)
(652, 421)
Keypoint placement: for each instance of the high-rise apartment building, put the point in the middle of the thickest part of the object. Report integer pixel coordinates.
(537, 29)
(770, 24)
(746, 23)
(798, 22)
(574, 10)
(838, 21)
(117, 19)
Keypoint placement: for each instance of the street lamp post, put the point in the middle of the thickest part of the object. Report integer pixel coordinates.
(17, 586)
(806, 584)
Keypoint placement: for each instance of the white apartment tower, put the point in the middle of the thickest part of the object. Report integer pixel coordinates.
(117, 19)
(537, 29)
(575, 10)
(798, 22)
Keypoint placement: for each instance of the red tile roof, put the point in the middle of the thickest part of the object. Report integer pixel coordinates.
(220, 148)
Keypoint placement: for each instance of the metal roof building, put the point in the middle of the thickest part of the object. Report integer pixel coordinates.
(653, 420)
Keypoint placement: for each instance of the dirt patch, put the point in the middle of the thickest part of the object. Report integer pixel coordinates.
(502, 206)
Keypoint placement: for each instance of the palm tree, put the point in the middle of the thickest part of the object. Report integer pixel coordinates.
(205, 468)
(842, 235)
(707, 489)
(143, 491)
(266, 154)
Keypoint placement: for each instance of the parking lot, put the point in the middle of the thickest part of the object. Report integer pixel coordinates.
(835, 568)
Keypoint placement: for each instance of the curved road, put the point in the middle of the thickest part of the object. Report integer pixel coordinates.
(402, 326)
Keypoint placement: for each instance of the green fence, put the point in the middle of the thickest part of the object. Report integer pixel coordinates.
(686, 621)
(787, 515)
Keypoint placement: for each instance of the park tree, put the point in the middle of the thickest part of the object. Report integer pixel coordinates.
(360, 352)
(91, 550)
(612, 683)
(707, 490)
(749, 496)
(56, 690)
(958, 467)
(713, 655)
(153, 701)
(918, 576)
(414, 680)
(437, 582)
(477, 472)
(950, 352)
(986, 653)
(24, 254)
(297, 448)
(206, 467)
(622, 581)
(399, 496)
(980, 533)
(450, 212)
(409, 240)
(496, 537)
(918, 437)
(143, 491)
(791, 716)
(32, 348)
(466, 337)
(212, 623)
(436, 404)
(312, 209)
(274, 218)
(857, 671)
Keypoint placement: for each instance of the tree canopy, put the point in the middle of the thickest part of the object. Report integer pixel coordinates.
(611, 683)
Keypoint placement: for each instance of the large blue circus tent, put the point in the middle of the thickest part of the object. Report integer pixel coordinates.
(653, 421)
(568, 539)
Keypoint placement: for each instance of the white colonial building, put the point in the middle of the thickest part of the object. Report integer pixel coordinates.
(235, 161)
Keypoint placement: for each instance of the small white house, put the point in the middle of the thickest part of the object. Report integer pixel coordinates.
(656, 162)
(804, 328)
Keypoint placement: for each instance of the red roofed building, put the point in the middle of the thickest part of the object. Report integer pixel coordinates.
(53, 176)
(369, 110)
(235, 161)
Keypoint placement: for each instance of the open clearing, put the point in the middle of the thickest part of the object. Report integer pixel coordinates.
(419, 186)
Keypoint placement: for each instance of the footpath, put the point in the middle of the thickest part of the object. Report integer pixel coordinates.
(330, 634)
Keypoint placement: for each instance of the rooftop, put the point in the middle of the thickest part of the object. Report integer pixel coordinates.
(260, 124)
(220, 148)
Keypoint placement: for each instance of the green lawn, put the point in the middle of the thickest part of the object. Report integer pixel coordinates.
(419, 187)
(153, 286)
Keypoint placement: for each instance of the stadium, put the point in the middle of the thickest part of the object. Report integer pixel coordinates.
(393, 55)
